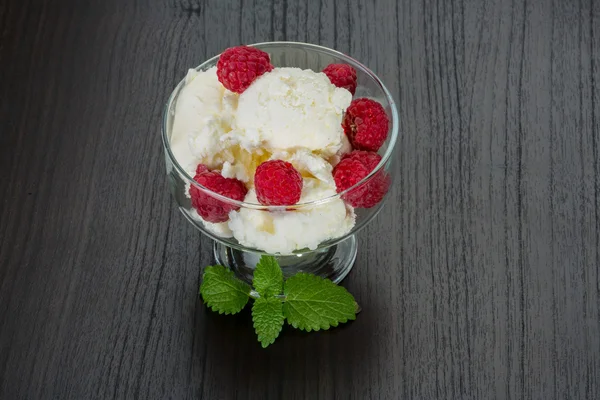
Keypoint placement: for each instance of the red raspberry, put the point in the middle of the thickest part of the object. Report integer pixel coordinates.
(352, 169)
(342, 76)
(201, 168)
(210, 208)
(239, 66)
(348, 173)
(277, 183)
(368, 158)
(366, 124)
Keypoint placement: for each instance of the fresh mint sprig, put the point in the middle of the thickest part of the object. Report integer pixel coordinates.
(307, 302)
(222, 291)
(267, 316)
(268, 278)
(313, 303)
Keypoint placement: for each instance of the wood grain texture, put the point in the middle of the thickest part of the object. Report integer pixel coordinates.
(479, 280)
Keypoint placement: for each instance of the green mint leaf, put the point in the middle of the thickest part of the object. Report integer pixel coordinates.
(267, 316)
(222, 291)
(313, 303)
(268, 278)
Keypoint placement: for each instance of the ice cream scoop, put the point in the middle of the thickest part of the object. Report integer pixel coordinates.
(294, 108)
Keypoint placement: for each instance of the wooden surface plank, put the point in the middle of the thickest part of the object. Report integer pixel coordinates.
(480, 279)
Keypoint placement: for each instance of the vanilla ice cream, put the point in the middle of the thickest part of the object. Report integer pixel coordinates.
(308, 164)
(287, 231)
(345, 149)
(244, 164)
(288, 114)
(202, 128)
(291, 107)
(220, 229)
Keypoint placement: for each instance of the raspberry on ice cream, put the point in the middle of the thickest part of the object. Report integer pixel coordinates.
(348, 173)
(239, 66)
(277, 183)
(342, 76)
(368, 158)
(207, 206)
(366, 124)
(201, 168)
(352, 169)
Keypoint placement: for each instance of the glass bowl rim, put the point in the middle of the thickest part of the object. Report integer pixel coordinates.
(238, 203)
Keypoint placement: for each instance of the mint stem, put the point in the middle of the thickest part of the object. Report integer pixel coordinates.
(255, 295)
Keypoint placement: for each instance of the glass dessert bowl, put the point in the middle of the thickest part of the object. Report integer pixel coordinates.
(316, 234)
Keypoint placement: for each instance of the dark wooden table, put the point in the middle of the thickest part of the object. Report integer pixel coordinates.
(479, 280)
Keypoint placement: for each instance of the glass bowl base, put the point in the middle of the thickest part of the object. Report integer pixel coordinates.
(333, 263)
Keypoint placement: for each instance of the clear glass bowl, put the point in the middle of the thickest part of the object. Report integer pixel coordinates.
(333, 258)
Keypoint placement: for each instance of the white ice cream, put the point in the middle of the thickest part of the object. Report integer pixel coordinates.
(286, 231)
(203, 124)
(220, 229)
(291, 107)
(308, 164)
(244, 164)
(345, 149)
(289, 114)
